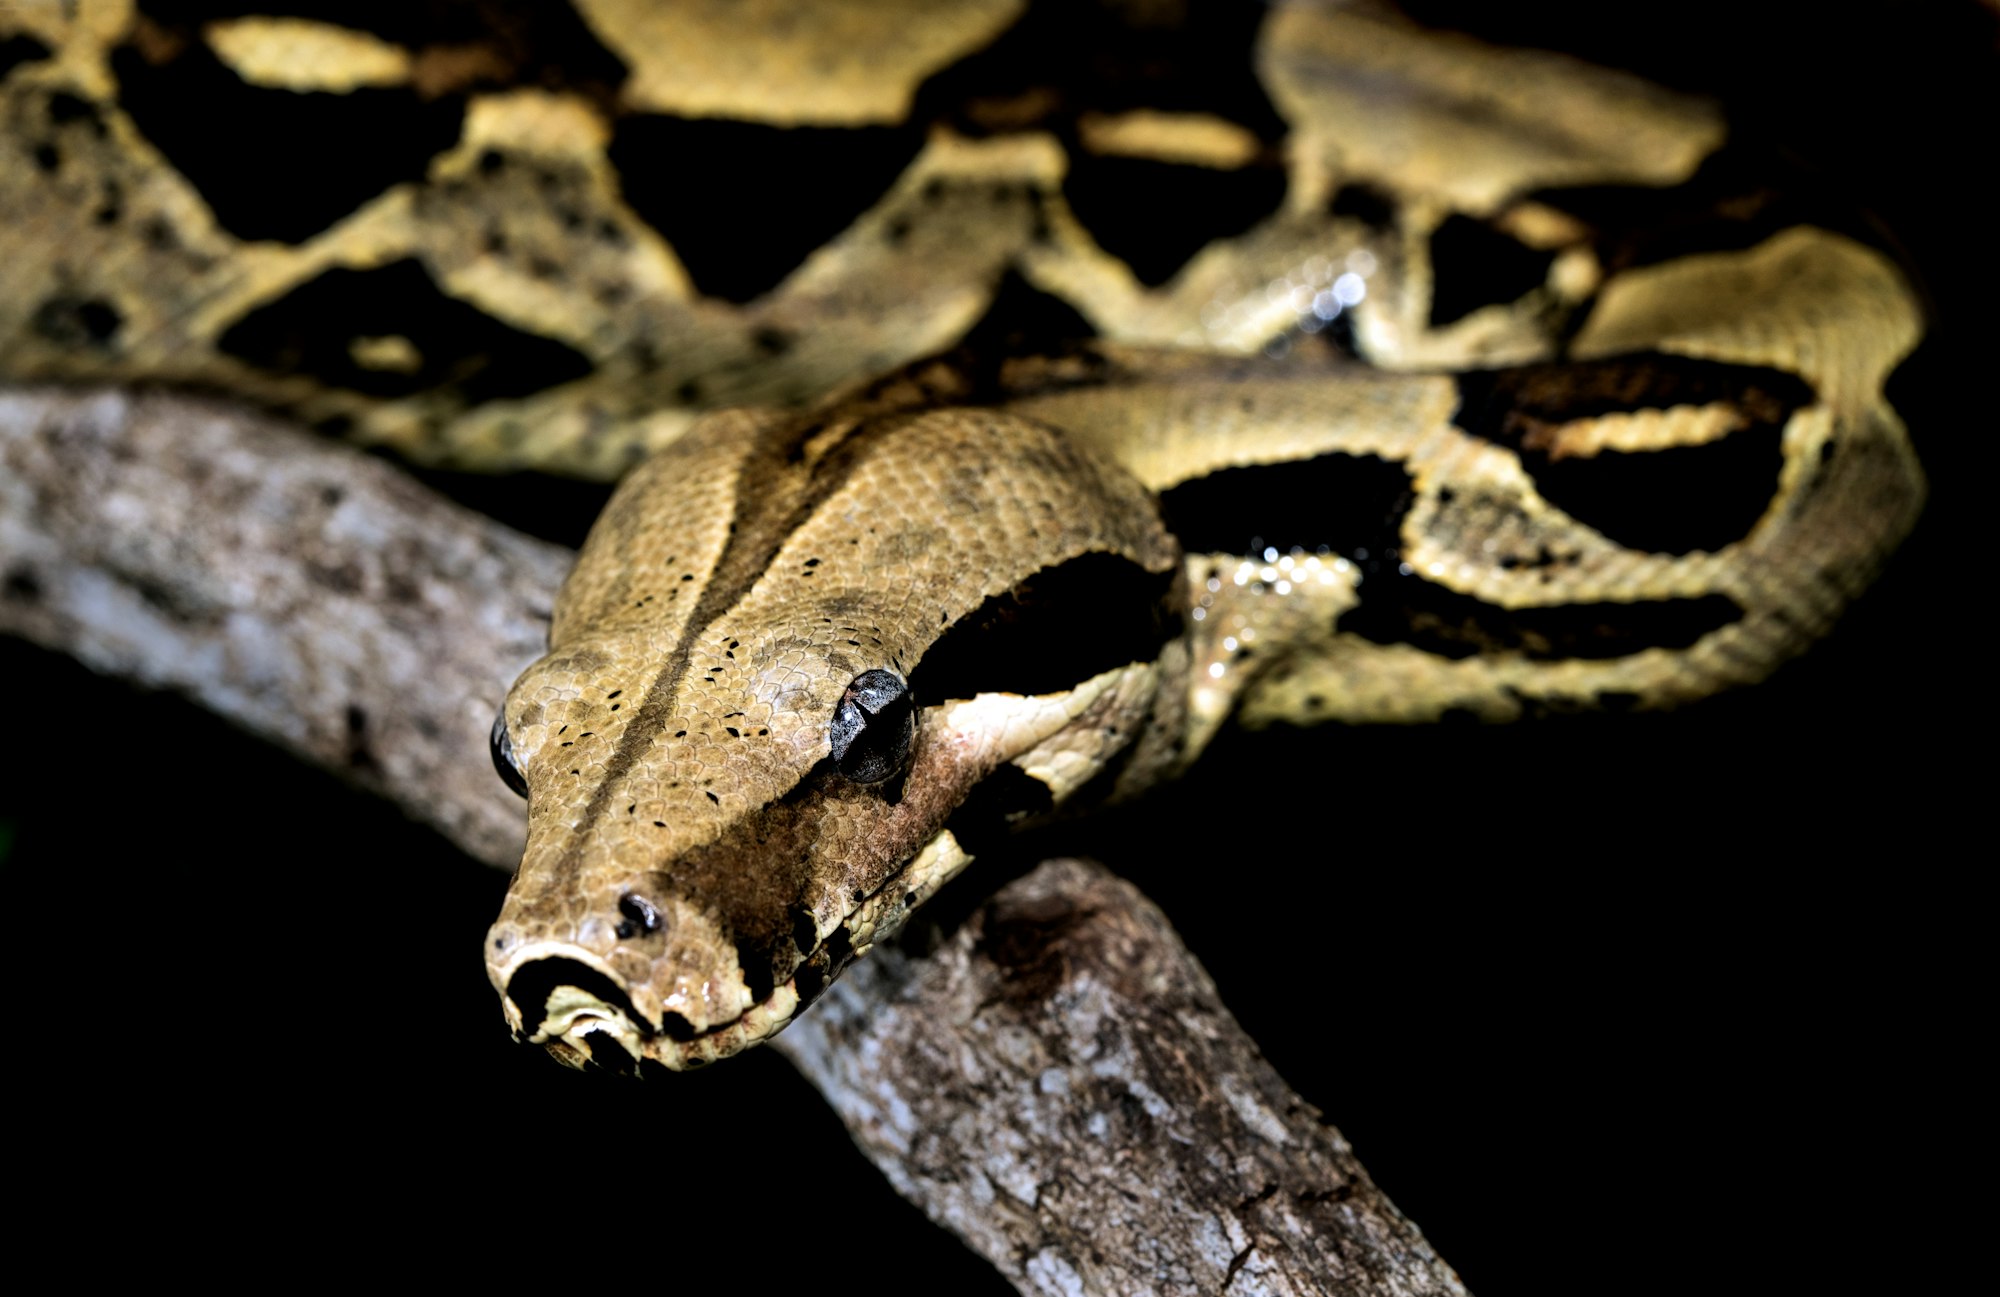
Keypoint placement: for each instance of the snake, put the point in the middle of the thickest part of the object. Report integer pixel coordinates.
(1514, 387)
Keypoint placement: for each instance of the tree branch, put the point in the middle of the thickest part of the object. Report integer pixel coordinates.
(315, 596)
(1058, 1084)
(1061, 1087)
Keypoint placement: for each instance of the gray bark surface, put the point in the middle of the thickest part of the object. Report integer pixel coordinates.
(1060, 1086)
(1058, 1083)
(316, 597)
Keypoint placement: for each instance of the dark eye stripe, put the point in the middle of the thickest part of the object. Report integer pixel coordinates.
(1051, 632)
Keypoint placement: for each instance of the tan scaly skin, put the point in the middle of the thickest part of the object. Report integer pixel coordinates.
(1078, 563)
(689, 838)
(699, 866)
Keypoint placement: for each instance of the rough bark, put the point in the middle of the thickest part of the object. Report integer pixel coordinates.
(315, 596)
(1058, 1084)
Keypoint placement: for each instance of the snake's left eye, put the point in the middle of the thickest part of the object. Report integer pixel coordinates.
(504, 760)
(874, 727)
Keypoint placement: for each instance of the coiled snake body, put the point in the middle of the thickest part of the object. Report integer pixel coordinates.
(1443, 431)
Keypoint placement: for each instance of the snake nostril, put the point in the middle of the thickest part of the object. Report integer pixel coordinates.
(639, 915)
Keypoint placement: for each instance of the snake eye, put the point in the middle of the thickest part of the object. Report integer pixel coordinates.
(504, 760)
(873, 727)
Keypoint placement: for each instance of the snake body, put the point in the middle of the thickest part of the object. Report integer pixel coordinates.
(1512, 400)
(969, 573)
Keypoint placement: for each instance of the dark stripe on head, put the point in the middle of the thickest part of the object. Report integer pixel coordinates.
(774, 496)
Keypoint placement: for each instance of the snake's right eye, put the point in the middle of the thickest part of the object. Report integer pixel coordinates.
(873, 728)
(504, 760)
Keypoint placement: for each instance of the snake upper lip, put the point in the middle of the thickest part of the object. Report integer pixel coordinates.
(548, 966)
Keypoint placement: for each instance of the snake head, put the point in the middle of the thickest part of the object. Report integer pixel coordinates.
(790, 654)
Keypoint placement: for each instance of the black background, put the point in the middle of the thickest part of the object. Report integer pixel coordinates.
(1677, 1002)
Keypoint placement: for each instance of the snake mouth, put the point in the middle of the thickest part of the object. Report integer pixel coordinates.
(568, 1001)
(568, 990)
(559, 998)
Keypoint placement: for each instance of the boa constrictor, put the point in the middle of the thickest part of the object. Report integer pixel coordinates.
(1521, 392)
